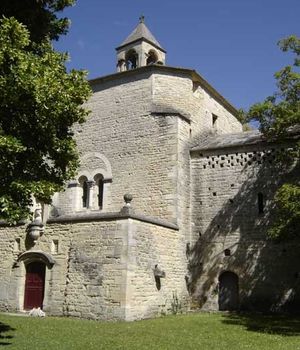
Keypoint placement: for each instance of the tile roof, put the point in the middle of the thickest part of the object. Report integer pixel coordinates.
(229, 140)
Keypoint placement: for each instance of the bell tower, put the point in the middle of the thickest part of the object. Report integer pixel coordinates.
(139, 49)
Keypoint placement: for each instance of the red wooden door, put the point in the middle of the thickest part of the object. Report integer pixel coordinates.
(34, 285)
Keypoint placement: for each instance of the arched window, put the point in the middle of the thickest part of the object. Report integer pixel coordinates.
(260, 203)
(99, 180)
(131, 59)
(121, 65)
(83, 181)
(85, 194)
(152, 57)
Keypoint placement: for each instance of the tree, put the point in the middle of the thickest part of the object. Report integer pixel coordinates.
(39, 103)
(279, 118)
(39, 16)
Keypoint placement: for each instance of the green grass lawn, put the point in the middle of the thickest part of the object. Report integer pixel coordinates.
(193, 331)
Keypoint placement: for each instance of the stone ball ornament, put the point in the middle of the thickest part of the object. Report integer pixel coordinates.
(128, 198)
(36, 228)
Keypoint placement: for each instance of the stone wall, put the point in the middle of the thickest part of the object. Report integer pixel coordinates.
(95, 270)
(149, 246)
(142, 124)
(140, 148)
(178, 92)
(230, 232)
(14, 242)
(10, 246)
(103, 269)
(138, 136)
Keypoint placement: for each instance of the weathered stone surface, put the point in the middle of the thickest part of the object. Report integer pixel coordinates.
(167, 138)
(226, 183)
(143, 149)
(103, 270)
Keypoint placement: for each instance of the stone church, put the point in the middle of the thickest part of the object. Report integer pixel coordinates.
(169, 211)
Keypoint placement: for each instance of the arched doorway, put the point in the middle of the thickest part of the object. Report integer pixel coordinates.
(228, 291)
(34, 285)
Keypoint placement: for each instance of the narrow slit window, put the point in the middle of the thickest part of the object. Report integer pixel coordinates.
(214, 120)
(260, 203)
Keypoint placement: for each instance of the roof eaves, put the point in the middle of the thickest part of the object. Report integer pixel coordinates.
(141, 39)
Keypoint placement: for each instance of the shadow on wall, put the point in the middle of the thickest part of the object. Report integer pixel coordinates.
(236, 240)
(281, 325)
(4, 328)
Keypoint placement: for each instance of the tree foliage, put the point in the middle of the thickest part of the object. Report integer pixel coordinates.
(287, 200)
(281, 111)
(279, 118)
(39, 102)
(39, 16)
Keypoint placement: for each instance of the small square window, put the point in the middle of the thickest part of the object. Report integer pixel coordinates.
(227, 252)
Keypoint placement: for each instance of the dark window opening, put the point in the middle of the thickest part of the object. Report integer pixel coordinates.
(152, 58)
(227, 252)
(131, 60)
(100, 193)
(260, 203)
(100, 185)
(83, 181)
(214, 119)
(85, 194)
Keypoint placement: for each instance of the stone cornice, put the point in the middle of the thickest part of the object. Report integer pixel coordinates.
(83, 217)
(162, 110)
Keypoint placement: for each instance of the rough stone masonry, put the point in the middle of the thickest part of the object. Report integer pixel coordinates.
(191, 233)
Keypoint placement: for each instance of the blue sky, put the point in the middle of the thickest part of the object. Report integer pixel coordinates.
(231, 43)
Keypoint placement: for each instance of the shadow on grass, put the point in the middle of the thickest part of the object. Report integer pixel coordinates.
(4, 328)
(272, 324)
